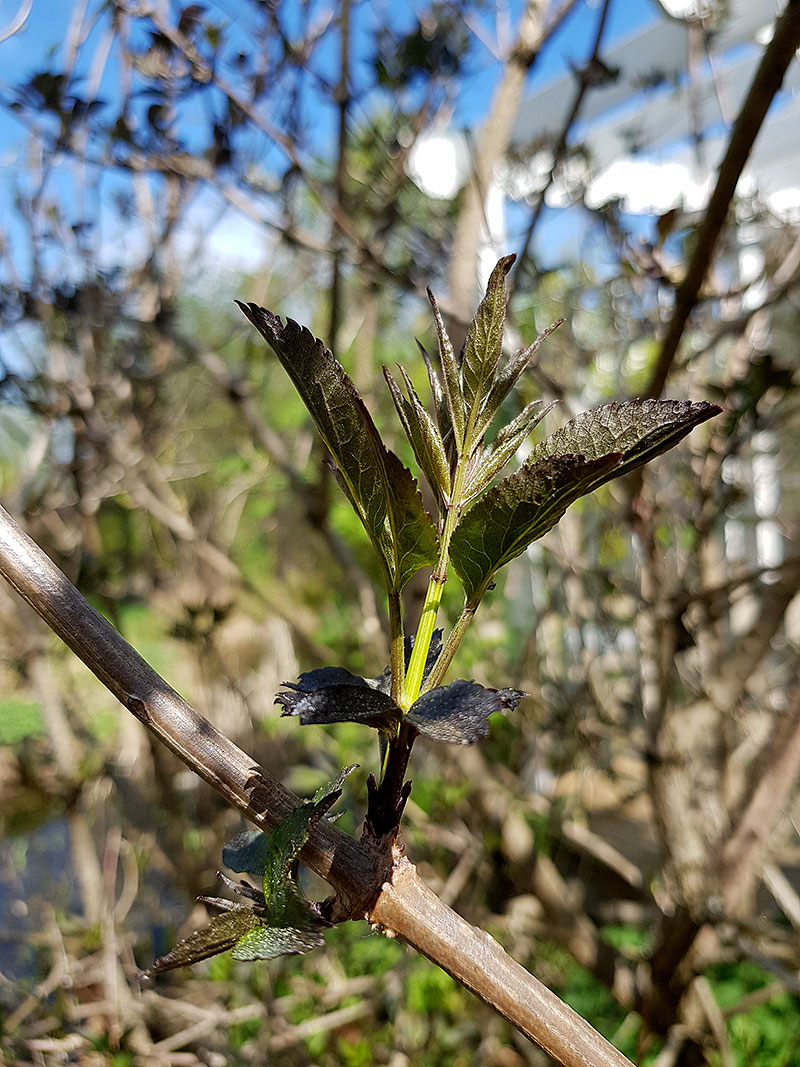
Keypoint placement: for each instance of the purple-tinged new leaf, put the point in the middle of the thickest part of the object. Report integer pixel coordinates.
(459, 713)
(451, 377)
(483, 348)
(342, 703)
(381, 490)
(639, 429)
(323, 677)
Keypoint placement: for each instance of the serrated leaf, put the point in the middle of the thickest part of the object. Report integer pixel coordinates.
(423, 434)
(283, 922)
(451, 377)
(590, 450)
(221, 934)
(381, 490)
(290, 927)
(325, 676)
(269, 942)
(507, 378)
(518, 511)
(484, 346)
(249, 851)
(505, 445)
(287, 839)
(335, 784)
(639, 429)
(459, 713)
(437, 395)
(342, 703)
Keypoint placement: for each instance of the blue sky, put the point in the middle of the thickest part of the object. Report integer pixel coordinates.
(41, 42)
(41, 45)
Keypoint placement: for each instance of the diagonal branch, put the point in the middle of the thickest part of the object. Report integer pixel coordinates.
(766, 83)
(369, 883)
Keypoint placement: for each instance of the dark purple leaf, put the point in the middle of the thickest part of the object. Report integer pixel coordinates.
(341, 703)
(458, 713)
(381, 490)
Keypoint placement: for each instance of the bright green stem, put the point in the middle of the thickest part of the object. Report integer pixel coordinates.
(433, 597)
(422, 641)
(436, 677)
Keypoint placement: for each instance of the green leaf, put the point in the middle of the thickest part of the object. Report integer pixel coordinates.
(639, 429)
(451, 377)
(269, 942)
(283, 922)
(424, 435)
(381, 490)
(505, 445)
(221, 934)
(287, 839)
(290, 927)
(588, 451)
(507, 378)
(484, 346)
(334, 786)
(459, 713)
(443, 419)
(247, 853)
(518, 511)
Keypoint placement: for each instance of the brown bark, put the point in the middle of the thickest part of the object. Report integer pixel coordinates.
(369, 882)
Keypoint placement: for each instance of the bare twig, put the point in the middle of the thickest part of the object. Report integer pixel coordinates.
(766, 83)
(589, 76)
(772, 781)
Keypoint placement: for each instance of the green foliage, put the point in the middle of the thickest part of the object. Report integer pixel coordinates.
(280, 921)
(591, 449)
(19, 719)
(380, 488)
(480, 528)
(766, 1035)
